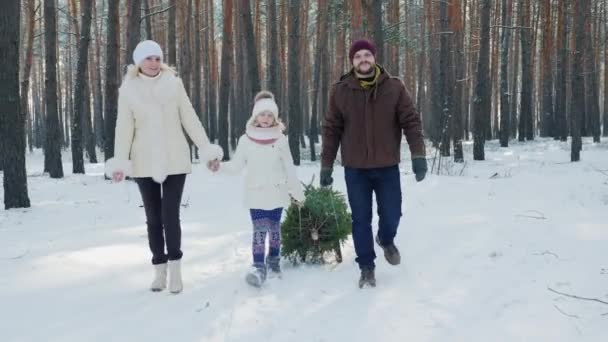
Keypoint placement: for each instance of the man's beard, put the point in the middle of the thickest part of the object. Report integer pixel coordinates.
(369, 72)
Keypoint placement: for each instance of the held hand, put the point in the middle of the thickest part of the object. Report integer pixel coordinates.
(118, 176)
(326, 179)
(213, 165)
(297, 203)
(419, 167)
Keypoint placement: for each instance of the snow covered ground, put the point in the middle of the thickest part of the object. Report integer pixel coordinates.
(481, 246)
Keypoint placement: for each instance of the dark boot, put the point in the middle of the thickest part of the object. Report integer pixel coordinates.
(274, 266)
(368, 277)
(391, 253)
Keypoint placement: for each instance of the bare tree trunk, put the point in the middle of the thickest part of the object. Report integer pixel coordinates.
(547, 116)
(133, 29)
(12, 121)
(446, 87)
(605, 131)
(504, 76)
(53, 133)
(316, 103)
(225, 77)
(458, 75)
(561, 120)
(172, 39)
(80, 87)
(482, 87)
(196, 75)
(578, 80)
(356, 24)
(111, 86)
(27, 68)
(295, 110)
(98, 96)
(592, 85)
(148, 20)
(526, 116)
(211, 90)
(273, 63)
(250, 48)
(378, 31)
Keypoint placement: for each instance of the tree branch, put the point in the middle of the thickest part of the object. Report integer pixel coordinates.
(155, 13)
(513, 27)
(565, 314)
(577, 297)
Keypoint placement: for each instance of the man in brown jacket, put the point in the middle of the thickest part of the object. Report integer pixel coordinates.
(368, 112)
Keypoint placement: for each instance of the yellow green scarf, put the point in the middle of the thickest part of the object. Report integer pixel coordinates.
(370, 84)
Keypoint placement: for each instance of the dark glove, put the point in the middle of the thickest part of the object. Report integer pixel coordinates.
(326, 179)
(419, 168)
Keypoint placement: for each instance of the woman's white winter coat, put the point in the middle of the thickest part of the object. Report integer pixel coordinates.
(153, 114)
(270, 176)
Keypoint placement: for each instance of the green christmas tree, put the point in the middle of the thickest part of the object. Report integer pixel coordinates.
(319, 228)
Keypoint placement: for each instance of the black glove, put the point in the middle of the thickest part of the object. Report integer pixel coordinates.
(326, 179)
(419, 168)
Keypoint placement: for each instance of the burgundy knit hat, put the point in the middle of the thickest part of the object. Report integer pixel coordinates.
(361, 44)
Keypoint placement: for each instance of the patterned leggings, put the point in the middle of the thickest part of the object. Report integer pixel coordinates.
(266, 221)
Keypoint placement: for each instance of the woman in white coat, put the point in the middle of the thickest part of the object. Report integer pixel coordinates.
(270, 182)
(150, 146)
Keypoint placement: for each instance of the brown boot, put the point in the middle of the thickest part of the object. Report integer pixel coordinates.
(368, 277)
(391, 253)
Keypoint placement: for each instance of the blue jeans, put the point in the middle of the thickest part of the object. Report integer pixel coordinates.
(385, 182)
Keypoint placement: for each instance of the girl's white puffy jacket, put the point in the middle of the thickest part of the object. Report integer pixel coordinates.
(152, 116)
(270, 177)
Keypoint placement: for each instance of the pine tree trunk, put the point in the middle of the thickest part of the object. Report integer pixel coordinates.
(318, 64)
(482, 87)
(561, 121)
(578, 79)
(148, 20)
(89, 135)
(457, 74)
(446, 87)
(526, 116)
(133, 29)
(547, 52)
(378, 31)
(27, 68)
(592, 88)
(605, 130)
(250, 51)
(171, 38)
(98, 96)
(111, 85)
(80, 88)
(273, 57)
(196, 75)
(226, 77)
(504, 76)
(356, 23)
(53, 132)
(294, 81)
(12, 121)
(515, 67)
(212, 90)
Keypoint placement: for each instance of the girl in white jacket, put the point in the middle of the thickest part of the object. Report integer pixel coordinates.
(150, 146)
(270, 182)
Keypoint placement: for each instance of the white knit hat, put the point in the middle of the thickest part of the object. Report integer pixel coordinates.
(146, 49)
(264, 102)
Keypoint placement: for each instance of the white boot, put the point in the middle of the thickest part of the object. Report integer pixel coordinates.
(175, 276)
(160, 278)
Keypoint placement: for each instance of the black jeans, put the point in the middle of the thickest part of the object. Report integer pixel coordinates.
(385, 182)
(162, 202)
